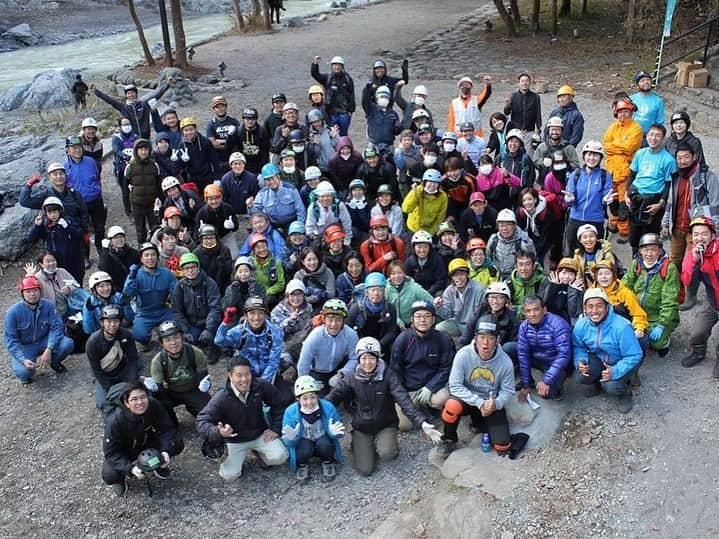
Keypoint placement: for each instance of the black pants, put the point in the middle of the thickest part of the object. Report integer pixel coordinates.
(571, 233)
(194, 401)
(323, 448)
(144, 220)
(496, 424)
(97, 211)
(111, 475)
(125, 191)
(636, 230)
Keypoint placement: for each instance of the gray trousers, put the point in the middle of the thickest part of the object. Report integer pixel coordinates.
(706, 318)
(367, 448)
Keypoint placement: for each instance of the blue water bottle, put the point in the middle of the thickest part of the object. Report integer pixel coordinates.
(486, 447)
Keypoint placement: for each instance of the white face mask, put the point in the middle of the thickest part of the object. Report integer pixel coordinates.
(547, 162)
(429, 160)
(298, 148)
(289, 170)
(345, 157)
(309, 410)
(50, 271)
(127, 129)
(449, 146)
(431, 188)
(648, 265)
(419, 100)
(383, 101)
(559, 166)
(485, 169)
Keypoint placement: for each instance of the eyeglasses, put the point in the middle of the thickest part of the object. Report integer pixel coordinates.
(135, 400)
(418, 316)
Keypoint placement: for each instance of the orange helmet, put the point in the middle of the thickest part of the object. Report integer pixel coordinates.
(703, 220)
(171, 211)
(212, 190)
(334, 232)
(378, 220)
(452, 411)
(476, 243)
(623, 103)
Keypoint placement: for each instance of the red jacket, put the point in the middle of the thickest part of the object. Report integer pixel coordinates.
(706, 270)
(373, 252)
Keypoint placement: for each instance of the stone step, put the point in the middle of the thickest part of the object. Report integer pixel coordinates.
(702, 104)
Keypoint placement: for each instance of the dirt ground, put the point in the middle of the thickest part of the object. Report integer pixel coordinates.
(647, 474)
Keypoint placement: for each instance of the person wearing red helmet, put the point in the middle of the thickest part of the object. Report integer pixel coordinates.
(34, 334)
(382, 246)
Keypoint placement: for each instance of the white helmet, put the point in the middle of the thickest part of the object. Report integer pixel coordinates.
(89, 122)
(53, 201)
(324, 188)
(368, 345)
(507, 216)
(421, 236)
(290, 106)
(593, 146)
(382, 90)
(51, 167)
(420, 90)
(235, 156)
(515, 133)
(97, 278)
(337, 60)
(555, 121)
(294, 285)
(115, 231)
(593, 293)
(312, 173)
(463, 80)
(306, 384)
(168, 182)
(586, 228)
(420, 113)
(499, 287)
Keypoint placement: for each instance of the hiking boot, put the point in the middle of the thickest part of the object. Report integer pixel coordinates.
(213, 356)
(634, 381)
(662, 352)
(694, 358)
(59, 368)
(446, 447)
(120, 489)
(161, 473)
(625, 403)
(25, 382)
(593, 390)
(303, 473)
(690, 300)
(329, 470)
(715, 370)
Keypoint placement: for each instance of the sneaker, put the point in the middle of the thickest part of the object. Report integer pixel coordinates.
(445, 448)
(303, 473)
(623, 239)
(329, 470)
(694, 358)
(26, 382)
(593, 390)
(59, 369)
(689, 302)
(161, 473)
(120, 489)
(625, 404)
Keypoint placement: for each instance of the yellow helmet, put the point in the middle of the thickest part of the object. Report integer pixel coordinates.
(457, 264)
(565, 90)
(187, 120)
(315, 89)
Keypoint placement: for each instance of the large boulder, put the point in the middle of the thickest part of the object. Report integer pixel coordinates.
(22, 33)
(470, 467)
(48, 89)
(22, 156)
(14, 225)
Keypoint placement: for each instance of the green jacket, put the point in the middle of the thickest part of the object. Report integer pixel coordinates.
(403, 297)
(270, 275)
(657, 291)
(520, 288)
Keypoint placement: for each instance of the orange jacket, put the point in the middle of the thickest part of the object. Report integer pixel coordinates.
(621, 141)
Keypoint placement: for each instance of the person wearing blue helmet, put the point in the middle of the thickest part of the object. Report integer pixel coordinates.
(426, 204)
(373, 315)
(280, 201)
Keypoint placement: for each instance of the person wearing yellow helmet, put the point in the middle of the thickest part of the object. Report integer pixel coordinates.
(573, 119)
(316, 96)
(221, 131)
(196, 155)
(460, 300)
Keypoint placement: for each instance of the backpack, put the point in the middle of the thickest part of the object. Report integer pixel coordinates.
(164, 359)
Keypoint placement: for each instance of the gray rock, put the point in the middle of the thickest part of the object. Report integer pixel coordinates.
(294, 22)
(399, 526)
(21, 33)
(14, 225)
(470, 467)
(458, 516)
(520, 413)
(48, 89)
(25, 156)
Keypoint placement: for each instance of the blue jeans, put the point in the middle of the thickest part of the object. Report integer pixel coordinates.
(618, 387)
(145, 322)
(343, 121)
(31, 351)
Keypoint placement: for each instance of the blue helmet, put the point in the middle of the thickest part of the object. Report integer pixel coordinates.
(270, 170)
(430, 175)
(375, 279)
(296, 227)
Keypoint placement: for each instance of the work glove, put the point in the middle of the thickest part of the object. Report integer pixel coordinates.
(656, 333)
(137, 472)
(432, 432)
(290, 433)
(422, 396)
(185, 155)
(206, 337)
(569, 197)
(205, 384)
(105, 243)
(229, 224)
(335, 380)
(174, 156)
(133, 270)
(231, 130)
(32, 180)
(153, 103)
(336, 428)
(165, 459)
(62, 222)
(150, 385)
(230, 315)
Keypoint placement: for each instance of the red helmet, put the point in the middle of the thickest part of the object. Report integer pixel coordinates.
(334, 232)
(28, 283)
(171, 211)
(476, 243)
(378, 220)
(255, 238)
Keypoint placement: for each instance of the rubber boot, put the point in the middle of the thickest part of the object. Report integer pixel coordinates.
(696, 356)
(691, 298)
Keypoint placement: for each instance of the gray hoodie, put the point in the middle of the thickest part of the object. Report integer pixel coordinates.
(471, 378)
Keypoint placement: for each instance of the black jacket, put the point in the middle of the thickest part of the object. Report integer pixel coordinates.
(126, 371)
(203, 168)
(197, 303)
(246, 419)
(507, 325)
(422, 361)
(217, 263)
(254, 145)
(381, 325)
(432, 276)
(237, 293)
(468, 227)
(525, 110)
(384, 173)
(117, 264)
(339, 90)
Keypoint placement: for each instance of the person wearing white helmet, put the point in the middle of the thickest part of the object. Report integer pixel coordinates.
(382, 120)
(339, 91)
(185, 200)
(239, 186)
(497, 303)
(283, 135)
(116, 256)
(312, 427)
(321, 141)
(503, 245)
(467, 107)
(123, 144)
(554, 142)
(606, 352)
(381, 78)
(417, 102)
(373, 388)
(91, 143)
(326, 210)
(293, 315)
(516, 157)
(591, 248)
(103, 293)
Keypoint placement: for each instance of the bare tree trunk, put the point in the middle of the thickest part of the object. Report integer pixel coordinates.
(256, 11)
(239, 23)
(585, 11)
(179, 30)
(555, 21)
(140, 33)
(508, 22)
(267, 21)
(535, 16)
(515, 12)
(165, 33)
(565, 8)
(630, 24)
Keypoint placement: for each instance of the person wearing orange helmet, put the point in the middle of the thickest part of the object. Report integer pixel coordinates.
(481, 268)
(382, 246)
(172, 219)
(221, 215)
(34, 334)
(334, 249)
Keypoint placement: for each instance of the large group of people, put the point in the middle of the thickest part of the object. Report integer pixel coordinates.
(424, 275)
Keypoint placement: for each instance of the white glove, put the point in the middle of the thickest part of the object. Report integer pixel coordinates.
(205, 384)
(153, 103)
(547, 162)
(290, 433)
(432, 432)
(105, 243)
(185, 155)
(150, 384)
(337, 429)
(129, 187)
(335, 380)
(165, 459)
(231, 130)
(229, 224)
(174, 156)
(422, 396)
(609, 197)
(62, 222)
(569, 197)
(137, 472)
